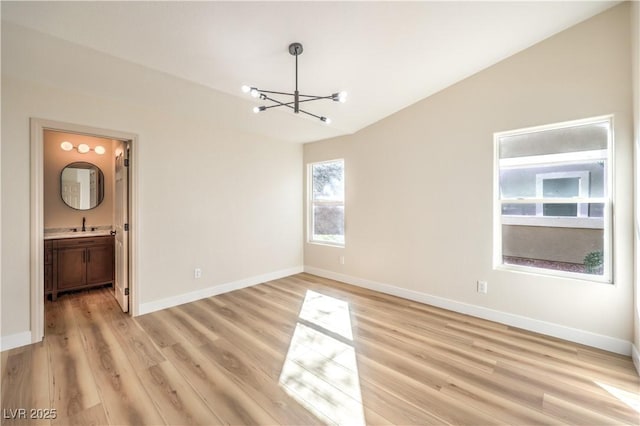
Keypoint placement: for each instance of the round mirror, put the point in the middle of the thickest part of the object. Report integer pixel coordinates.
(82, 185)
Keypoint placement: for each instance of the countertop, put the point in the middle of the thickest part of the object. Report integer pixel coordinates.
(78, 234)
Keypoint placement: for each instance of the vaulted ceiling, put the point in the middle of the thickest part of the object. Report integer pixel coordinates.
(386, 55)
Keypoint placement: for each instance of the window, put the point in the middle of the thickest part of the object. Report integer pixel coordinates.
(553, 199)
(326, 202)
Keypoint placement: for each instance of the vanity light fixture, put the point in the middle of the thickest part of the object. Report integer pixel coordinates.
(83, 148)
(296, 98)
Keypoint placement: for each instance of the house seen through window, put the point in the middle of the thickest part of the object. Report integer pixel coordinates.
(553, 199)
(326, 202)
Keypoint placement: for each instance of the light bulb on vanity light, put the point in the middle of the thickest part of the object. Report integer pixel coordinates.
(83, 148)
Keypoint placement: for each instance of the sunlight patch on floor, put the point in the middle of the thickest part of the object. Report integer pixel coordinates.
(320, 370)
(629, 398)
(327, 312)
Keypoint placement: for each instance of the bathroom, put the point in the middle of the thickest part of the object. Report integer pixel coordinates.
(85, 205)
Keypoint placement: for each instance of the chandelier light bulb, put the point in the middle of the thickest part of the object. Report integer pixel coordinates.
(326, 120)
(245, 89)
(342, 97)
(83, 148)
(66, 146)
(99, 150)
(254, 92)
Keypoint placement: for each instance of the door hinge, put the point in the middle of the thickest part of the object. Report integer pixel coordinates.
(126, 226)
(126, 291)
(126, 162)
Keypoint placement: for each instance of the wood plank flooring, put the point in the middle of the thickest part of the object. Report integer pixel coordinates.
(305, 350)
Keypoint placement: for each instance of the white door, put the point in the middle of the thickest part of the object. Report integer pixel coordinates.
(121, 287)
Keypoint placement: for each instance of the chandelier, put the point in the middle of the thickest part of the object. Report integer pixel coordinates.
(291, 100)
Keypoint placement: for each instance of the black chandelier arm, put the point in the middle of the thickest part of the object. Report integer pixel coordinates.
(313, 115)
(275, 93)
(293, 94)
(313, 99)
(316, 97)
(279, 104)
(289, 104)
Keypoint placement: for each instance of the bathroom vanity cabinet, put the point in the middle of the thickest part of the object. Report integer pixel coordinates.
(78, 263)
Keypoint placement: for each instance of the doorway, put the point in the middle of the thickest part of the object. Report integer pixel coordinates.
(124, 212)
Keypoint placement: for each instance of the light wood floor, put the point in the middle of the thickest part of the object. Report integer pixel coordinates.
(306, 350)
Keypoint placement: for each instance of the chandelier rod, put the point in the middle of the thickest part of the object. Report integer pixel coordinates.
(296, 50)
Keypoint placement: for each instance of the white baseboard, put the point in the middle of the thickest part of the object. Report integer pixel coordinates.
(15, 340)
(600, 341)
(635, 356)
(180, 299)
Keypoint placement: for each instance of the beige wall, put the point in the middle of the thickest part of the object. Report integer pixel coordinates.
(210, 195)
(419, 184)
(56, 213)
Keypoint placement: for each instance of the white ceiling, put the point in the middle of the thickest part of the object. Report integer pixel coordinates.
(386, 55)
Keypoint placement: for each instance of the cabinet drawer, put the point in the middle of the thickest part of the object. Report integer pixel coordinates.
(83, 241)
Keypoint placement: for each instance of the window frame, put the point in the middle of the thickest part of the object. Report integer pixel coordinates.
(311, 203)
(552, 221)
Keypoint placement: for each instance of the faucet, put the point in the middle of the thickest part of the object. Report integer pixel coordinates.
(84, 222)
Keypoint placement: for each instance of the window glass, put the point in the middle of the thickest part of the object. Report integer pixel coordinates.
(553, 199)
(326, 205)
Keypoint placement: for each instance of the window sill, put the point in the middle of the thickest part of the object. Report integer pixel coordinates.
(326, 243)
(554, 221)
(551, 273)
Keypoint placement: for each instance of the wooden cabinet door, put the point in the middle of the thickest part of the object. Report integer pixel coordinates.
(100, 264)
(72, 270)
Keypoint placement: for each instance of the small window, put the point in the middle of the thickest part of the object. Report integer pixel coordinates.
(553, 207)
(326, 202)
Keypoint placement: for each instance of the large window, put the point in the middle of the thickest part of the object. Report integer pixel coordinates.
(326, 202)
(553, 206)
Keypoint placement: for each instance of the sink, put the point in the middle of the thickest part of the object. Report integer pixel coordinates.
(79, 234)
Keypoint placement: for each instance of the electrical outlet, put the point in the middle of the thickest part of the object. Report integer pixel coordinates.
(482, 287)
(342, 260)
(197, 273)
